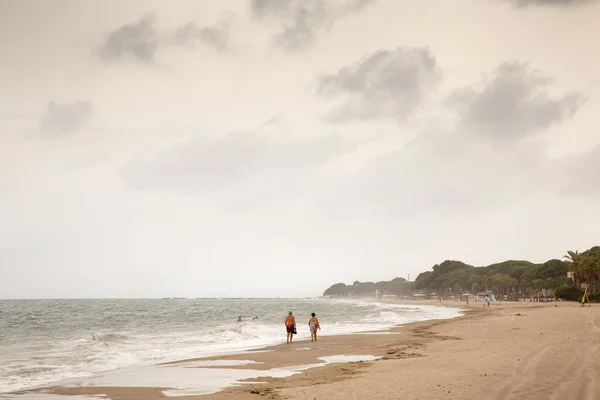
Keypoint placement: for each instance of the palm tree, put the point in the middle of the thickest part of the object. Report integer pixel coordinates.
(588, 267)
(573, 255)
(573, 258)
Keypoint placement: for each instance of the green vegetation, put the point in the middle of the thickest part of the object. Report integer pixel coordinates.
(570, 293)
(585, 266)
(514, 278)
(397, 286)
(521, 277)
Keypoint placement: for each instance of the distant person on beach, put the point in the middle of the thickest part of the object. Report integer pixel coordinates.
(313, 324)
(290, 327)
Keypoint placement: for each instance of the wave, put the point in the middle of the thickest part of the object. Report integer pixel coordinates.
(109, 337)
(27, 364)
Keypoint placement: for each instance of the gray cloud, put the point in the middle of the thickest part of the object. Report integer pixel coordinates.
(441, 171)
(444, 171)
(66, 118)
(578, 174)
(512, 104)
(388, 83)
(301, 20)
(251, 167)
(559, 3)
(437, 176)
(138, 41)
(215, 36)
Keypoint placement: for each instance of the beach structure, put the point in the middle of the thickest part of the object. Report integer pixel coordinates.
(419, 296)
(482, 296)
(586, 298)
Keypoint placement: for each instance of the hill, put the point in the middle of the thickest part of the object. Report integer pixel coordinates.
(518, 278)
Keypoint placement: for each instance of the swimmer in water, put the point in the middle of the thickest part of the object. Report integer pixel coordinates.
(239, 319)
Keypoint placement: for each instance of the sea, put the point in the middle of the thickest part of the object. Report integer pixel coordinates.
(47, 341)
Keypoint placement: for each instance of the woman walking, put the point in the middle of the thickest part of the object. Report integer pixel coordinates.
(313, 324)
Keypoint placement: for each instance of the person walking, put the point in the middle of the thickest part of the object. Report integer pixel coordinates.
(290, 327)
(313, 324)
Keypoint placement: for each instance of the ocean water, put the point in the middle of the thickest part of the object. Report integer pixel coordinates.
(47, 341)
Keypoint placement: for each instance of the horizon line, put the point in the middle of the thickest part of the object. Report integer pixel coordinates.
(159, 298)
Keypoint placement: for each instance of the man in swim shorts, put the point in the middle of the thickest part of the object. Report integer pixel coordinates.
(290, 326)
(313, 324)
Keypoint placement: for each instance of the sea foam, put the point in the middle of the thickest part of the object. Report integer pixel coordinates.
(85, 338)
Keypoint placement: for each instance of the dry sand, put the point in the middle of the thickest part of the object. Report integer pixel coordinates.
(548, 352)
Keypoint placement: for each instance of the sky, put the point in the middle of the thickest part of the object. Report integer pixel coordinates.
(265, 148)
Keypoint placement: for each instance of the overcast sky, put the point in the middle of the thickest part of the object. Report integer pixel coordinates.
(272, 148)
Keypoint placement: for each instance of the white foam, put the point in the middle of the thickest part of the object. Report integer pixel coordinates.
(185, 381)
(50, 396)
(218, 363)
(350, 358)
(21, 367)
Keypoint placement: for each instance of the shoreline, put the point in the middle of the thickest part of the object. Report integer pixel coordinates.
(481, 344)
(245, 353)
(332, 329)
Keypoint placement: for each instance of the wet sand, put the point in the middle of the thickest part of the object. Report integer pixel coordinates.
(548, 352)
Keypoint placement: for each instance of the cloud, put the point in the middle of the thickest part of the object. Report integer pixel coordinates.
(141, 41)
(387, 83)
(437, 176)
(301, 20)
(578, 174)
(138, 41)
(443, 171)
(512, 104)
(215, 36)
(246, 168)
(558, 3)
(66, 118)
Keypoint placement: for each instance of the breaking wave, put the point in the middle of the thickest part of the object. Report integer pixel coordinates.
(82, 338)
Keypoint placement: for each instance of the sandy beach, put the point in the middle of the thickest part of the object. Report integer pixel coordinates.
(509, 351)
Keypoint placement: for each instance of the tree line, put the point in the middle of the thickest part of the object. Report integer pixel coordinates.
(513, 278)
(585, 267)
